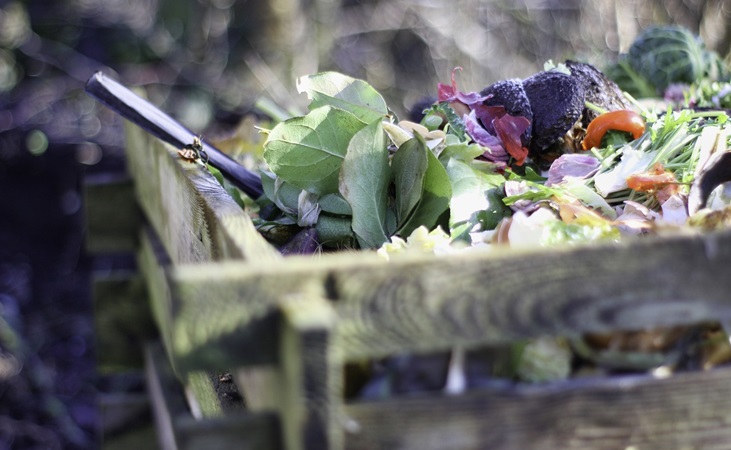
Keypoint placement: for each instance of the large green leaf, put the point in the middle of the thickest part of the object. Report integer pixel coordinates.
(409, 165)
(435, 197)
(364, 181)
(344, 92)
(308, 151)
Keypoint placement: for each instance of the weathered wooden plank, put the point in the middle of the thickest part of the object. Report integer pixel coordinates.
(122, 321)
(430, 303)
(687, 410)
(197, 221)
(153, 264)
(112, 215)
(179, 430)
(195, 218)
(311, 376)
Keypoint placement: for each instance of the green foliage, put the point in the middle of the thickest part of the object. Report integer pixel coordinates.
(409, 166)
(308, 151)
(367, 195)
(663, 55)
(344, 92)
(332, 166)
(455, 124)
(469, 192)
(434, 199)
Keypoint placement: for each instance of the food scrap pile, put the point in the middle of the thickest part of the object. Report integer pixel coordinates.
(564, 157)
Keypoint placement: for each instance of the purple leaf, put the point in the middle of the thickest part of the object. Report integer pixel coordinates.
(571, 165)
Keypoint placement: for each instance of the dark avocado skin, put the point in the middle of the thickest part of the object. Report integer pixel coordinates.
(598, 89)
(511, 95)
(557, 102)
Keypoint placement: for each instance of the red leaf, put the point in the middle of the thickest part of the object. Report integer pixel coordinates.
(509, 129)
(447, 93)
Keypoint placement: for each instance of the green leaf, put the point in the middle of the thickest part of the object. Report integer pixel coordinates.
(469, 189)
(344, 92)
(409, 166)
(335, 204)
(308, 151)
(462, 151)
(435, 198)
(456, 124)
(364, 181)
(537, 192)
(496, 211)
(334, 232)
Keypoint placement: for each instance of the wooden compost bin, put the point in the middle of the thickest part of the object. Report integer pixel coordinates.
(224, 300)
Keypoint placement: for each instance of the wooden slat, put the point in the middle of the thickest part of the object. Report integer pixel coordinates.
(432, 303)
(311, 376)
(122, 321)
(194, 217)
(178, 430)
(688, 410)
(153, 264)
(112, 215)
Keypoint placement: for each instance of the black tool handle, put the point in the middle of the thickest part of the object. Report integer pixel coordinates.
(151, 119)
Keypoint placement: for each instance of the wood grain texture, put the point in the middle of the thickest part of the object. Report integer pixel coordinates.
(197, 221)
(688, 410)
(311, 376)
(112, 214)
(433, 303)
(178, 430)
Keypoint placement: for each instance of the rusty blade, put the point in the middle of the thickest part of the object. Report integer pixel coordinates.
(150, 118)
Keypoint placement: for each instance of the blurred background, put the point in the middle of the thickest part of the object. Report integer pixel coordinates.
(208, 62)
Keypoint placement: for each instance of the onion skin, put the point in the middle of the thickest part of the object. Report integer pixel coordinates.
(620, 120)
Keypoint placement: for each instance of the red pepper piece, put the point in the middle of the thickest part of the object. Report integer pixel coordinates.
(620, 120)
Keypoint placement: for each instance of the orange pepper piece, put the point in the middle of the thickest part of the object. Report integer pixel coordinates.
(620, 120)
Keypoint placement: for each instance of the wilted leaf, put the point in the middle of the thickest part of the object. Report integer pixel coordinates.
(364, 181)
(308, 209)
(344, 92)
(281, 193)
(308, 151)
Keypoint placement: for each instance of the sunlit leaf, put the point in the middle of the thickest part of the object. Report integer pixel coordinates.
(344, 92)
(308, 151)
(364, 181)
(469, 191)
